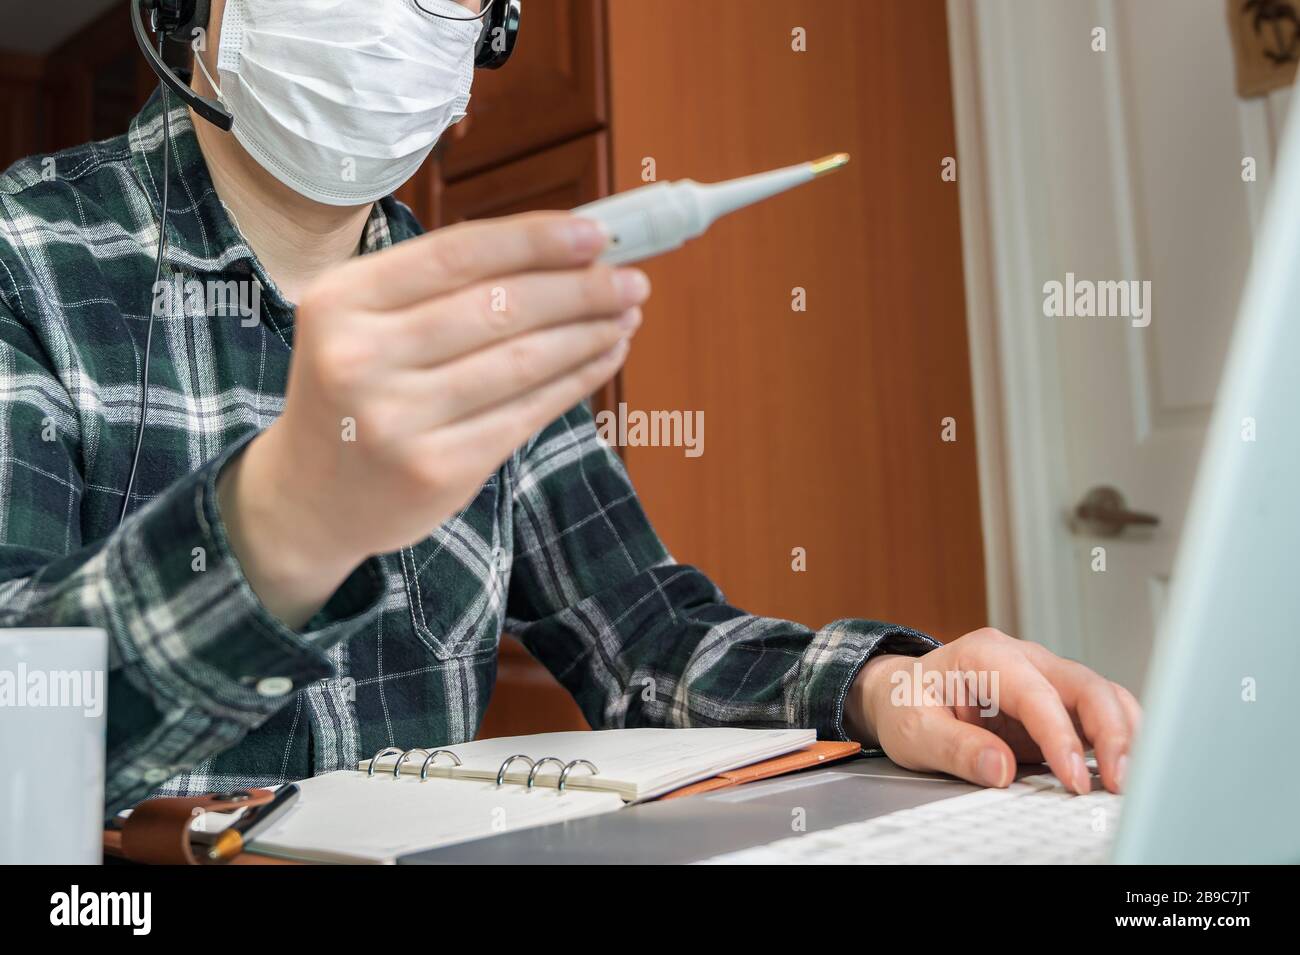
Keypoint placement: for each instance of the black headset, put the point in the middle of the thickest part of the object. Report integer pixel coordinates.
(178, 19)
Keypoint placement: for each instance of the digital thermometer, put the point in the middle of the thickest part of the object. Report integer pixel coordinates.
(658, 218)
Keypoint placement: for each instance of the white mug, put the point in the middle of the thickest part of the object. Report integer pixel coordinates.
(53, 704)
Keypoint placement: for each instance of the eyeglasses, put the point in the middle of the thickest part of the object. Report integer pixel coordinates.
(442, 16)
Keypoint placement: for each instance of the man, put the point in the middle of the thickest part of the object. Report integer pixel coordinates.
(340, 504)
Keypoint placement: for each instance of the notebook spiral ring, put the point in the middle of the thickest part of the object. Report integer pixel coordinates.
(429, 756)
(534, 766)
(397, 766)
(505, 765)
(386, 751)
(532, 775)
(428, 761)
(575, 764)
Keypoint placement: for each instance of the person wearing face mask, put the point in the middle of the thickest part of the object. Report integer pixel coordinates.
(343, 499)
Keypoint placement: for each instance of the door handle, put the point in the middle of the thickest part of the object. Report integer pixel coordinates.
(1103, 512)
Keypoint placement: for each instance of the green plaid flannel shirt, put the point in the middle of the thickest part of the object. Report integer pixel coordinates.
(206, 689)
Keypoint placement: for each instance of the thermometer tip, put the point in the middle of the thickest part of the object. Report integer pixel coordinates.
(826, 164)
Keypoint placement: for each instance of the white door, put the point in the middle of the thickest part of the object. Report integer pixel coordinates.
(1114, 165)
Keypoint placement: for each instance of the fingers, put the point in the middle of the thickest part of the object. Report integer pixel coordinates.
(1132, 709)
(932, 739)
(1028, 696)
(480, 443)
(1008, 730)
(1106, 727)
(460, 255)
(517, 367)
(1097, 706)
(1133, 712)
(448, 327)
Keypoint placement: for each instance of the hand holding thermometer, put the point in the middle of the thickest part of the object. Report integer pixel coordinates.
(661, 217)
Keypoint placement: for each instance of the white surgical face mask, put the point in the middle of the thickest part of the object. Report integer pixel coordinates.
(342, 100)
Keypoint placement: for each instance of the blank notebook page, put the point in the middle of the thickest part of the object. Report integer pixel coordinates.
(347, 816)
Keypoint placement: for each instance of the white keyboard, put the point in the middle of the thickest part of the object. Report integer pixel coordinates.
(1033, 821)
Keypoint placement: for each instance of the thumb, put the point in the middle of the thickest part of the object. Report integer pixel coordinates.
(947, 745)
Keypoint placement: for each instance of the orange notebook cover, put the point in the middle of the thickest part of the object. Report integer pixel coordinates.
(817, 754)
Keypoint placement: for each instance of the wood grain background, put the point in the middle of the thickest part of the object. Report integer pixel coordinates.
(822, 428)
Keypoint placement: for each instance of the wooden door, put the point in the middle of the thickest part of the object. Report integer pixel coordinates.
(1145, 164)
(824, 428)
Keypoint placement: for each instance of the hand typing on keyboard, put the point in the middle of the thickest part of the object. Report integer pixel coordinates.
(977, 706)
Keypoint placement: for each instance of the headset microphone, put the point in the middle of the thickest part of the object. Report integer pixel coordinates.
(176, 18)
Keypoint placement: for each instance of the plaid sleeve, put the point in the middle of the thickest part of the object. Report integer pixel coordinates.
(195, 660)
(642, 641)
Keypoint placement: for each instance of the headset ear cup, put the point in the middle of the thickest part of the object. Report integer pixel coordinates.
(170, 15)
(179, 18)
(197, 14)
(500, 33)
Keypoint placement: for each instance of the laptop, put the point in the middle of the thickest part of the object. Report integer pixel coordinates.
(1216, 776)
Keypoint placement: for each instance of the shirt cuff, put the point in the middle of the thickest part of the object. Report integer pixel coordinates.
(837, 655)
(193, 622)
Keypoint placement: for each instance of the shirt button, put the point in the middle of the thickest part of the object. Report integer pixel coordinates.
(502, 561)
(156, 776)
(274, 686)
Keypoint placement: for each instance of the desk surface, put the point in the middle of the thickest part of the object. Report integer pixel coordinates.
(697, 827)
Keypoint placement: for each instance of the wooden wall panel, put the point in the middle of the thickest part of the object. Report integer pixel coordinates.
(553, 88)
(94, 83)
(560, 178)
(21, 117)
(822, 429)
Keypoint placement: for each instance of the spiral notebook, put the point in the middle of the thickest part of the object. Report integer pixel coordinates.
(400, 802)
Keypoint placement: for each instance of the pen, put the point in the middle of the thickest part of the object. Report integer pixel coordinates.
(245, 829)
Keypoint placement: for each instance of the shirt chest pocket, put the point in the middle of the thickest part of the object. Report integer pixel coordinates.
(456, 579)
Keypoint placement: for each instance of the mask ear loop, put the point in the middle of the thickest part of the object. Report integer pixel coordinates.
(208, 76)
(442, 16)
